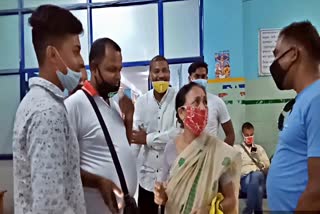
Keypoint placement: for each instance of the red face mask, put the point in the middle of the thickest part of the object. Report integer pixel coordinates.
(249, 140)
(196, 119)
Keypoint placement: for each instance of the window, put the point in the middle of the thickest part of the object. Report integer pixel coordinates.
(142, 28)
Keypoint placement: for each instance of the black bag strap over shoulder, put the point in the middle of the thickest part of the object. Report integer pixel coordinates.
(110, 144)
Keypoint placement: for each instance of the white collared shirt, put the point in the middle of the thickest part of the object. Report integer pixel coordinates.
(46, 167)
(217, 114)
(94, 151)
(159, 122)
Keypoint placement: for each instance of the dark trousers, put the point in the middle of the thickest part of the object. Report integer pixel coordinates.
(146, 202)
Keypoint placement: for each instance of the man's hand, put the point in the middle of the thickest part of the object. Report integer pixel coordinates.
(109, 191)
(139, 137)
(126, 106)
(160, 195)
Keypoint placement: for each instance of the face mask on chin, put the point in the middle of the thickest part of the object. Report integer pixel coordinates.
(71, 79)
(278, 73)
(202, 82)
(106, 90)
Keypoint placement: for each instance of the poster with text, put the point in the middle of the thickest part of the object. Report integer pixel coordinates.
(267, 43)
(222, 65)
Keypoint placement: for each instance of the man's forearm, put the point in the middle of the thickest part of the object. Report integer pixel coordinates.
(309, 201)
(90, 180)
(128, 123)
(230, 139)
(163, 137)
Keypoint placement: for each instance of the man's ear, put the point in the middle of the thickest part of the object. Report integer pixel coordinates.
(51, 54)
(295, 54)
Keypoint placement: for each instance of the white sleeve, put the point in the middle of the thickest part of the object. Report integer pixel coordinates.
(137, 121)
(74, 114)
(223, 114)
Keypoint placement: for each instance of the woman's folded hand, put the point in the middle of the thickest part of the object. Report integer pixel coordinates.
(160, 195)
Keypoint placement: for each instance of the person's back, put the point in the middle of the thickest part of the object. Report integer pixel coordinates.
(218, 114)
(45, 150)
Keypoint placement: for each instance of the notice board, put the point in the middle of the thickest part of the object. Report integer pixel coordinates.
(267, 43)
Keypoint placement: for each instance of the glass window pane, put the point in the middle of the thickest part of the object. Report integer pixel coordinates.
(30, 55)
(8, 105)
(36, 3)
(181, 29)
(134, 28)
(84, 39)
(8, 4)
(135, 78)
(179, 75)
(9, 42)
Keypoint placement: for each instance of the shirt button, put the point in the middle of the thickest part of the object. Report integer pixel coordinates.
(157, 156)
(159, 118)
(159, 131)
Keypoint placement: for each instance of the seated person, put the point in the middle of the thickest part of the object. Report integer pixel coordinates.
(197, 165)
(255, 164)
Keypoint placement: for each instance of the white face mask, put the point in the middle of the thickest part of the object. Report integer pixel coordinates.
(71, 79)
(202, 82)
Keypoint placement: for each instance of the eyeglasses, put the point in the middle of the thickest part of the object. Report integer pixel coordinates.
(287, 108)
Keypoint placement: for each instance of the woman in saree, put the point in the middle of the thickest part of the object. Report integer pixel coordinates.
(197, 166)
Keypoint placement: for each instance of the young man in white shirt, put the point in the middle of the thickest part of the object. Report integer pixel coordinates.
(98, 172)
(252, 176)
(154, 125)
(46, 169)
(217, 109)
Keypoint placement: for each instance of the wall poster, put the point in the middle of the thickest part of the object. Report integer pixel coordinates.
(222, 65)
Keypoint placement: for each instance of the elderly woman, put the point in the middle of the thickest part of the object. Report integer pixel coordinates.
(197, 166)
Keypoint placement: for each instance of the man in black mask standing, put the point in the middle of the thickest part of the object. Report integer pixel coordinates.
(293, 179)
(98, 172)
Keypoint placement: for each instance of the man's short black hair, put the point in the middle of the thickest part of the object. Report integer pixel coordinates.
(157, 58)
(49, 24)
(98, 49)
(247, 125)
(305, 34)
(194, 66)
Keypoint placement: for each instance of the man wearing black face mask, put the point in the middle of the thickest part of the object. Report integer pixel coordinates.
(98, 172)
(293, 180)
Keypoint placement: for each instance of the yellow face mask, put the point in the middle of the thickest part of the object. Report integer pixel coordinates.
(160, 86)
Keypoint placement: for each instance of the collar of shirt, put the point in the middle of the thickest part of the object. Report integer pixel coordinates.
(163, 98)
(89, 88)
(38, 81)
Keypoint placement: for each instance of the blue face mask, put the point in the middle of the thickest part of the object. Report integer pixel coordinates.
(202, 82)
(71, 79)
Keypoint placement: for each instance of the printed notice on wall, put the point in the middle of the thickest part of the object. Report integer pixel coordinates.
(267, 43)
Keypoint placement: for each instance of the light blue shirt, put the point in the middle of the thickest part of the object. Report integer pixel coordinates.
(298, 141)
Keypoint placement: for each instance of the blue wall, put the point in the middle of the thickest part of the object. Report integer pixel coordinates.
(259, 14)
(223, 30)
